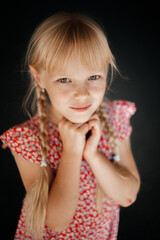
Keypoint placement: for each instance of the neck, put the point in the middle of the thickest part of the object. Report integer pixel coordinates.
(51, 116)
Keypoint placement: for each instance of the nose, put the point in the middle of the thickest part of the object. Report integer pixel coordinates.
(81, 91)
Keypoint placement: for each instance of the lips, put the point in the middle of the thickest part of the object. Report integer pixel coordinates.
(81, 108)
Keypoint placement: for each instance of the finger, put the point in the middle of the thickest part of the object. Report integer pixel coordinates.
(78, 125)
(94, 123)
(84, 128)
(64, 123)
(95, 116)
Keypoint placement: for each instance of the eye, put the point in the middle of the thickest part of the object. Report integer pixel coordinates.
(94, 77)
(63, 80)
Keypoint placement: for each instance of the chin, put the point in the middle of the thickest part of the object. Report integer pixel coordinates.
(79, 119)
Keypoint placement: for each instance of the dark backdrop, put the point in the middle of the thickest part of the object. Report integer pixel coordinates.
(133, 35)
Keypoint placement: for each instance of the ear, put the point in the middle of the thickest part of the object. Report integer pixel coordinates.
(36, 76)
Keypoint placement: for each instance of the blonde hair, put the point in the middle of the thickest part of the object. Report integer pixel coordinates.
(51, 44)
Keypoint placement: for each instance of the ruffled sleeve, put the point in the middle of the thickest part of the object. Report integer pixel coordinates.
(119, 113)
(23, 141)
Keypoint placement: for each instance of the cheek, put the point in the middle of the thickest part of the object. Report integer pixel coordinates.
(99, 91)
(56, 96)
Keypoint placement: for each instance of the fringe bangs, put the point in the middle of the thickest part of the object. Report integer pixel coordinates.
(55, 43)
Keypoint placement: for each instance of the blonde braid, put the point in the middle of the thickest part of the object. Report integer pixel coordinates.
(112, 137)
(37, 197)
(42, 107)
(112, 141)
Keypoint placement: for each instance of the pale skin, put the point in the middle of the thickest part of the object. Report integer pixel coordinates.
(120, 182)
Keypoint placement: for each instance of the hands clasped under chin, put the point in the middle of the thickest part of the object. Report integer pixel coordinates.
(74, 136)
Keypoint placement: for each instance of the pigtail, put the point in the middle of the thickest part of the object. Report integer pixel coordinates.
(37, 197)
(108, 129)
(112, 141)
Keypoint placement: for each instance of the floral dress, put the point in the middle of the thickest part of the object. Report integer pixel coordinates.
(87, 222)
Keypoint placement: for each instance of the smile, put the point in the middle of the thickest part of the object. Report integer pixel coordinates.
(81, 109)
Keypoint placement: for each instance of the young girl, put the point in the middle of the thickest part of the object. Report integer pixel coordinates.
(73, 154)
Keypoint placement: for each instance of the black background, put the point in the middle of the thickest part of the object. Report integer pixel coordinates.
(133, 34)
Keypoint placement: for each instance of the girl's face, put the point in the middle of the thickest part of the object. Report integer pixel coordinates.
(75, 91)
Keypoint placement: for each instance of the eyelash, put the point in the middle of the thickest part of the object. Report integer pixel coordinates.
(97, 77)
(59, 80)
(94, 77)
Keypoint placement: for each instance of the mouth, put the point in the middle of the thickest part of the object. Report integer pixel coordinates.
(81, 108)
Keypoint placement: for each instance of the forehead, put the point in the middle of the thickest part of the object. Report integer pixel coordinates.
(73, 66)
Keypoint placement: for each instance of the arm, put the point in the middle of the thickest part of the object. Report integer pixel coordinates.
(120, 181)
(64, 188)
(64, 193)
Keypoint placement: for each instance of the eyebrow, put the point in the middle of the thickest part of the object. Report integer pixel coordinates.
(68, 76)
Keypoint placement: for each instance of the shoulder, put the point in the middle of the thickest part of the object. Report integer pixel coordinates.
(31, 124)
(116, 107)
(27, 130)
(119, 113)
(23, 139)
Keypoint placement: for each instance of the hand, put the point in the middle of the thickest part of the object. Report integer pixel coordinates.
(92, 142)
(73, 136)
